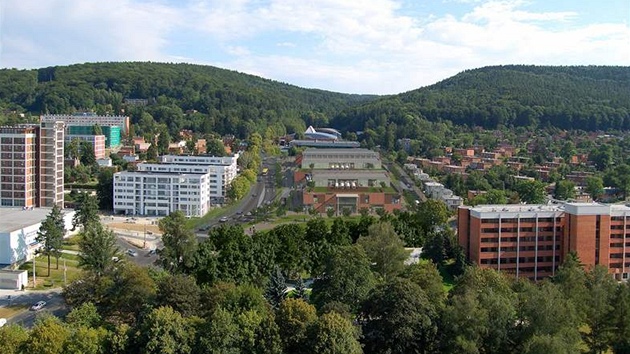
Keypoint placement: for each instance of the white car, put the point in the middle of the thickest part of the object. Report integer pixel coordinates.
(38, 305)
(132, 253)
(3, 321)
(223, 219)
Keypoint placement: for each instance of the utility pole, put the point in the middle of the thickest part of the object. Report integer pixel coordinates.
(65, 269)
(145, 237)
(34, 279)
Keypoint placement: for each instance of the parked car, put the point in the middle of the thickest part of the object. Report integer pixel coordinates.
(3, 321)
(38, 305)
(115, 259)
(132, 253)
(223, 219)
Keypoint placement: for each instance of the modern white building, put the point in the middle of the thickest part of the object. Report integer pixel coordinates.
(180, 182)
(18, 231)
(161, 193)
(222, 169)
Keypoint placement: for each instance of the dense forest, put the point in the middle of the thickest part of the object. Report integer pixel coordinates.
(574, 97)
(229, 293)
(212, 100)
(182, 96)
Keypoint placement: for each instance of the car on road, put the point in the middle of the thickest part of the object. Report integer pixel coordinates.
(3, 321)
(223, 219)
(38, 305)
(132, 253)
(240, 212)
(254, 195)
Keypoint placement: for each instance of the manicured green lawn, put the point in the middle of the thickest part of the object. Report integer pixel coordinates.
(56, 277)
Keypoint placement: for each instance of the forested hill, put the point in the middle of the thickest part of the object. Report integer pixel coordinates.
(569, 97)
(226, 101)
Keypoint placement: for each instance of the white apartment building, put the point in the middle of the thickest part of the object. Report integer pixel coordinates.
(181, 182)
(161, 193)
(223, 169)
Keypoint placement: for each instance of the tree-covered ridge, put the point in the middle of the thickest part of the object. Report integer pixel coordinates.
(571, 97)
(227, 99)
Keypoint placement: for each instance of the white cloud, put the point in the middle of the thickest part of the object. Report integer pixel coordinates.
(67, 31)
(237, 50)
(370, 46)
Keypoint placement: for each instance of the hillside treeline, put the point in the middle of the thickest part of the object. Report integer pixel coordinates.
(573, 97)
(202, 98)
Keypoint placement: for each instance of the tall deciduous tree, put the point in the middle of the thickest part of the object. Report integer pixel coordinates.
(599, 309)
(531, 192)
(12, 338)
(215, 147)
(180, 243)
(293, 318)
(384, 249)
(181, 293)
(594, 186)
(564, 190)
(50, 235)
(47, 337)
(88, 158)
(347, 278)
(399, 317)
(97, 247)
(105, 188)
(165, 331)
(85, 340)
(332, 333)
(620, 336)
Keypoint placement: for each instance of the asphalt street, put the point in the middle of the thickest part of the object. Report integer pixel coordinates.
(55, 305)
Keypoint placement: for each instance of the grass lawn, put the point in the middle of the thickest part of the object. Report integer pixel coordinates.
(55, 279)
(71, 243)
(448, 281)
(10, 311)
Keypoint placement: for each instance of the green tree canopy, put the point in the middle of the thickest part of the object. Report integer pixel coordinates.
(180, 243)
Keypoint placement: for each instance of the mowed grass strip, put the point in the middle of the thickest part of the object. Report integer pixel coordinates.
(10, 311)
(56, 277)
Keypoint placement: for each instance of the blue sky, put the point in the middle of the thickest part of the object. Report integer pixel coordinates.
(354, 46)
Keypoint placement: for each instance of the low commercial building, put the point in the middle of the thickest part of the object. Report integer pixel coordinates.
(13, 279)
(341, 159)
(533, 240)
(345, 180)
(18, 232)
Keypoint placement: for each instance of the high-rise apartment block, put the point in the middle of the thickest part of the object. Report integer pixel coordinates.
(31, 165)
(533, 240)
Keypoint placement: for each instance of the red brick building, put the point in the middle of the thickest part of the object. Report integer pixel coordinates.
(532, 240)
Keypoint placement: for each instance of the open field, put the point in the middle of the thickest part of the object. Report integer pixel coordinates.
(133, 227)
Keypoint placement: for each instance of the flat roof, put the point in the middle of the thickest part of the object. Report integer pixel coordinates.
(337, 151)
(12, 219)
(349, 173)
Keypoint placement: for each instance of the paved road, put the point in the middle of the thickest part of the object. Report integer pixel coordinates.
(262, 193)
(55, 305)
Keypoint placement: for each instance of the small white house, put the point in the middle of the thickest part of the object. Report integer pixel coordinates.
(13, 279)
